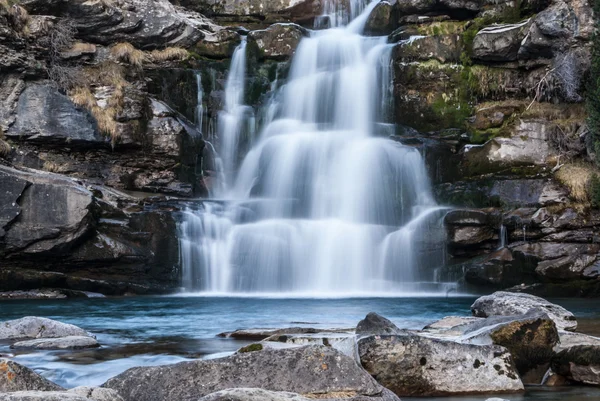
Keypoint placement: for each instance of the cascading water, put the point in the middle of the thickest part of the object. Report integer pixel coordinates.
(321, 205)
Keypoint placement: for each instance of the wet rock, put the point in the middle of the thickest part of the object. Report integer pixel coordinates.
(410, 365)
(570, 339)
(15, 377)
(261, 334)
(48, 293)
(443, 48)
(503, 303)
(382, 20)
(473, 217)
(278, 42)
(374, 324)
(460, 236)
(499, 42)
(38, 327)
(494, 269)
(580, 363)
(450, 326)
(46, 115)
(69, 342)
(308, 370)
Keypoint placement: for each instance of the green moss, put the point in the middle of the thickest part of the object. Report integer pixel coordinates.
(595, 191)
(251, 348)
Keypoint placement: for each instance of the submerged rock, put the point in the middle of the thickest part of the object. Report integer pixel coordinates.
(38, 327)
(503, 303)
(15, 377)
(374, 324)
(410, 365)
(311, 370)
(69, 342)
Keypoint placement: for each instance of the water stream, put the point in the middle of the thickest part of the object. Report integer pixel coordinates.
(322, 202)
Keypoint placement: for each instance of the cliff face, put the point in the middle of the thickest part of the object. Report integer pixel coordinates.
(99, 108)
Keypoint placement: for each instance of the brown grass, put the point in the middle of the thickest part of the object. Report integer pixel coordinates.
(82, 47)
(51, 167)
(83, 97)
(125, 52)
(4, 147)
(576, 177)
(17, 15)
(169, 54)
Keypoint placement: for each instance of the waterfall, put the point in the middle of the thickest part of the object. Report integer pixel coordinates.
(503, 237)
(323, 202)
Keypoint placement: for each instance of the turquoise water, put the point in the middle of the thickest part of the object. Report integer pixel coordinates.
(160, 330)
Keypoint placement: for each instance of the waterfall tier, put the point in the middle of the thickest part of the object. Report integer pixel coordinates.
(321, 204)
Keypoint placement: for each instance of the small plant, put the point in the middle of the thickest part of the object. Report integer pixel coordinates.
(4, 147)
(579, 179)
(127, 53)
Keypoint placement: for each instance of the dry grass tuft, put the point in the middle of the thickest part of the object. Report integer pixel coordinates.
(82, 47)
(17, 16)
(169, 54)
(51, 167)
(577, 178)
(4, 147)
(126, 53)
(83, 97)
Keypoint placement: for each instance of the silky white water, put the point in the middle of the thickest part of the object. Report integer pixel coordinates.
(323, 203)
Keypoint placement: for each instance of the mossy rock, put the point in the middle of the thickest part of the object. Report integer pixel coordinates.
(530, 341)
(251, 348)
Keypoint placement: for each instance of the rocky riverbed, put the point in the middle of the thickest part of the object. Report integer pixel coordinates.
(522, 340)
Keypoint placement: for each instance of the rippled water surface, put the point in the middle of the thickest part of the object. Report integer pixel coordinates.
(161, 330)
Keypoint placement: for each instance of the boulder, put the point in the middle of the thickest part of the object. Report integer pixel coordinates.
(450, 326)
(503, 303)
(311, 371)
(470, 217)
(261, 334)
(374, 324)
(499, 42)
(39, 328)
(410, 365)
(579, 363)
(530, 338)
(15, 377)
(69, 342)
(278, 42)
(461, 236)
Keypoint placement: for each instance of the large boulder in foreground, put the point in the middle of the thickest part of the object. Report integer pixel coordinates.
(76, 394)
(410, 365)
(374, 324)
(313, 371)
(38, 327)
(15, 377)
(252, 394)
(530, 338)
(503, 303)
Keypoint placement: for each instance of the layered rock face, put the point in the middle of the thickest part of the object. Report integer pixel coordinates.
(126, 95)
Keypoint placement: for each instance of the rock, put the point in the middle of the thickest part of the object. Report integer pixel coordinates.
(499, 42)
(15, 377)
(278, 42)
(470, 217)
(307, 370)
(252, 394)
(342, 342)
(48, 293)
(69, 342)
(450, 326)
(569, 339)
(494, 269)
(46, 115)
(530, 338)
(38, 327)
(528, 145)
(461, 236)
(261, 334)
(96, 393)
(503, 303)
(42, 396)
(62, 223)
(443, 48)
(374, 324)
(580, 363)
(410, 365)
(382, 20)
